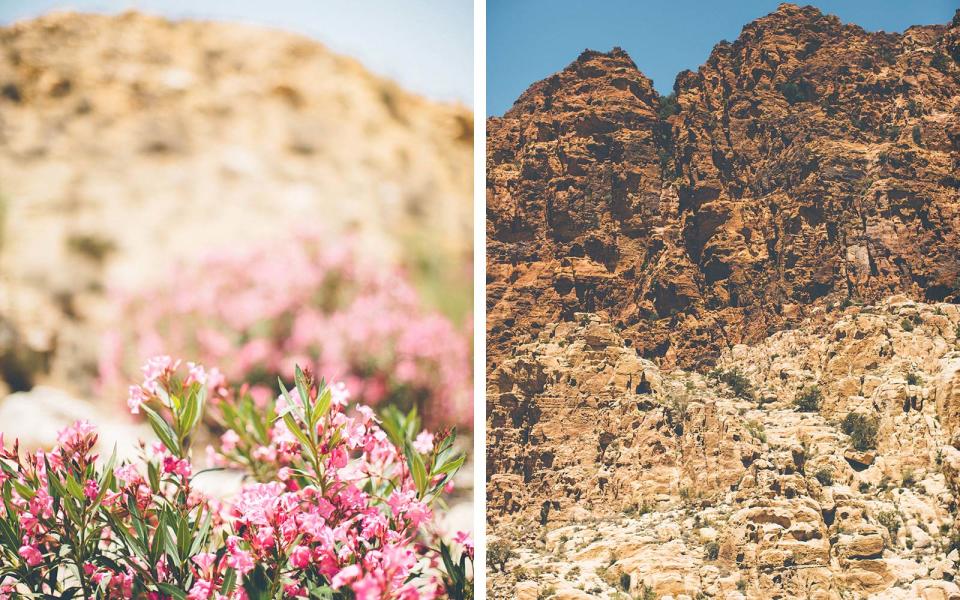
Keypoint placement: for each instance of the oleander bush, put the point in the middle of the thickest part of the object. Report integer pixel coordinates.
(340, 504)
(303, 301)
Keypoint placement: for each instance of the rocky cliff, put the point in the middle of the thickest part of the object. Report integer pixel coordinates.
(808, 163)
(130, 142)
(821, 463)
(723, 326)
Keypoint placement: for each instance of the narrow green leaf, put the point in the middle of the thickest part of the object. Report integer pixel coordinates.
(201, 536)
(162, 429)
(295, 429)
(170, 544)
(74, 487)
(172, 590)
(452, 466)
(301, 381)
(417, 468)
(153, 474)
(323, 405)
(229, 581)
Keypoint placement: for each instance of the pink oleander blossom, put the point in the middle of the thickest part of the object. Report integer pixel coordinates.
(300, 300)
(330, 501)
(30, 555)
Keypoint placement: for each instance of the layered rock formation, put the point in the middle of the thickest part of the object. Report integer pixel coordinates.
(130, 142)
(750, 481)
(723, 325)
(807, 163)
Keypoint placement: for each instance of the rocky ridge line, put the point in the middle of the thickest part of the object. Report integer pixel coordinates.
(808, 164)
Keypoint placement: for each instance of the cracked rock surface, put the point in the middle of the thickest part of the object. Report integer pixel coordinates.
(610, 473)
(806, 164)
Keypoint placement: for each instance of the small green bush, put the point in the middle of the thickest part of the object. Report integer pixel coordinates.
(499, 553)
(797, 91)
(914, 379)
(907, 478)
(737, 381)
(712, 550)
(940, 62)
(809, 399)
(862, 430)
(637, 510)
(756, 430)
(887, 54)
(891, 520)
(547, 591)
(668, 107)
(953, 541)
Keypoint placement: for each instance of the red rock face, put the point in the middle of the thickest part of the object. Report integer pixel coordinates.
(808, 164)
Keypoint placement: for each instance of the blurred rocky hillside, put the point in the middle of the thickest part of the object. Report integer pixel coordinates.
(131, 142)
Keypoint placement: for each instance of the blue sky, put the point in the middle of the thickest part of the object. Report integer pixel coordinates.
(528, 40)
(425, 45)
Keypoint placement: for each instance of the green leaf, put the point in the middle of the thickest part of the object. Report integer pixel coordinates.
(170, 544)
(153, 474)
(8, 468)
(417, 468)
(8, 536)
(295, 429)
(323, 406)
(321, 592)
(452, 466)
(208, 470)
(74, 487)
(159, 542)
(451, 569)
(292, 406)
(24, 492)
(133, 543)
(108, 468)
(172, 590)
(447, 442)
(301, 380)
(164, 396)
(412, 423)
(201, 536)
(259, 424)
(162, 429)
(392, 424)
(191, 411)
(229, 581)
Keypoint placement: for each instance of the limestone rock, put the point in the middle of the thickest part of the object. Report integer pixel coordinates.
(664, 482)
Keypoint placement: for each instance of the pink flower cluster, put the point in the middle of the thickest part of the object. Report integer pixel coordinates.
(349, 513)
(301, 301)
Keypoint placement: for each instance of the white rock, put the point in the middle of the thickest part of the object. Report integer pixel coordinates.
(921, 539)
(707, 534)
(36, 417)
